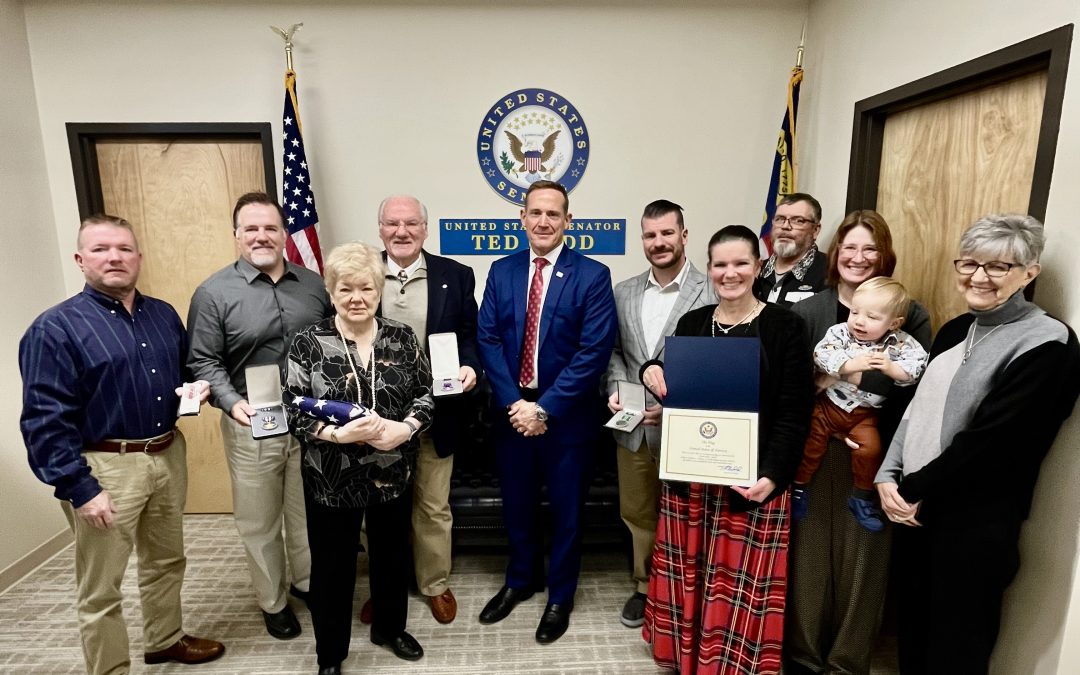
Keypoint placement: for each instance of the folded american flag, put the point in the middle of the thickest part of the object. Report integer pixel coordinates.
(332, 412)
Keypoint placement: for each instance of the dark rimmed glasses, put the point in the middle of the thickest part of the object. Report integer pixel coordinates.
(995, 269)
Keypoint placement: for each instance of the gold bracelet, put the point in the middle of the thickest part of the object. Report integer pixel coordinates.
(333, 435)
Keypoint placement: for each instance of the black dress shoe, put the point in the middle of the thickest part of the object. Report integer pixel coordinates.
(330, 670)
(282, 625)
(554, 622)
(499, 607)
(404, 645)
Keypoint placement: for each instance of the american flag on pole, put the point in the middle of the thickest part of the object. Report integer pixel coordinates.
(782, 180)
(297, 199)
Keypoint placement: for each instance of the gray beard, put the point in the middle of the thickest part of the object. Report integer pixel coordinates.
(786, 250)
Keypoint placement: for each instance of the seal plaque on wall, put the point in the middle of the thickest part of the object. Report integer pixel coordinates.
(530, 135)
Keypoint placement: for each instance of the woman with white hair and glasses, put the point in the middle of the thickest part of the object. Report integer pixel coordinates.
(961, 470)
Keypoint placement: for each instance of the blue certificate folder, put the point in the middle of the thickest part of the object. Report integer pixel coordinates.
(706, 373)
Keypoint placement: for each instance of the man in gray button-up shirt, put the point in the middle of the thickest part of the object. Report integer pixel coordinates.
(246, 315)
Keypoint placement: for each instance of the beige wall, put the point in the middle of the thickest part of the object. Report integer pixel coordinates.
(861, 48)
(392, 95)
(30, 274)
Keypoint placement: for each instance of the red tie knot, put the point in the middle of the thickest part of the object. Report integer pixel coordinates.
(541, 263)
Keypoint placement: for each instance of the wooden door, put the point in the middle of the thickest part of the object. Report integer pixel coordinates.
(178, 196)
(947, 163)
(935, 154)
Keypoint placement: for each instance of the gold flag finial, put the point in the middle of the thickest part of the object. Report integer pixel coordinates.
(802, 41)
(287, 36)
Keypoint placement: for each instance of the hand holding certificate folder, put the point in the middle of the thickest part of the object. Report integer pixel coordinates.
(710, 427)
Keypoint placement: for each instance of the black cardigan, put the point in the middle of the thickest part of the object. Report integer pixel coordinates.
(787, 390)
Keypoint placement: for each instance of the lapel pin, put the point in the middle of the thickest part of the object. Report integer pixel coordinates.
(444, 285)
(559, 274)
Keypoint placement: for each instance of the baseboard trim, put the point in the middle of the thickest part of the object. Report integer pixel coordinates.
(14, 572)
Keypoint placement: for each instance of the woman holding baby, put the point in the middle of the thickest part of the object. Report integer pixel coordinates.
(839, 568)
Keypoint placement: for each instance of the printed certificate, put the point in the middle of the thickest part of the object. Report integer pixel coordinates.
(709, 446)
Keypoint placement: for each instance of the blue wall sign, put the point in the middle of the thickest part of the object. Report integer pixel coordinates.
(499, 236)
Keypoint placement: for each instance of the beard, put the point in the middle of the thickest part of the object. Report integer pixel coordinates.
(264, 259)
(785, 250)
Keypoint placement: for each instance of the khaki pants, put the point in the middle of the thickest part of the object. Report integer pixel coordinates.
(268, 492)
(639, 495)
(431, 519)
(148, 492)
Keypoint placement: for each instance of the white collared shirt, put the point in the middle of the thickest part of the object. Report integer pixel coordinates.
(394, 268)
(656, 304)
(778, 286)
(546, 273)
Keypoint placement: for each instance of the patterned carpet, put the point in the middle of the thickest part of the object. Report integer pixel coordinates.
(41, 635)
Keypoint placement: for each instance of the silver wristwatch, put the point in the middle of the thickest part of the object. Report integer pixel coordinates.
(541, 414)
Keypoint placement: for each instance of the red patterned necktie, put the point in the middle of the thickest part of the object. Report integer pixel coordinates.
(532, 322)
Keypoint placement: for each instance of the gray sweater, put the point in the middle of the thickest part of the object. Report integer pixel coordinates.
(998, 387)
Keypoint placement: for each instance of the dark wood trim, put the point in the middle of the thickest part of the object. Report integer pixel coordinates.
(83, 138)
(1049, 51)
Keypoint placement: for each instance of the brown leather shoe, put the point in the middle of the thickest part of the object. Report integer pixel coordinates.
(444, 606)
(367, 612)
(187, 650)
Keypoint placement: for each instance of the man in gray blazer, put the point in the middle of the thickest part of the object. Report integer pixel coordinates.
(649, 305)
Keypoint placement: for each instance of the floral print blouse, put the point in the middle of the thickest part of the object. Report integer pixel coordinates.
(354, 475)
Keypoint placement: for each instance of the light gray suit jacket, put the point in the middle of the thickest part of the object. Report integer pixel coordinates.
(630, 349)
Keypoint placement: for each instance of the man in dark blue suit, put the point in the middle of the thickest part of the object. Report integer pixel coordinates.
(431, 294)
(546, 329)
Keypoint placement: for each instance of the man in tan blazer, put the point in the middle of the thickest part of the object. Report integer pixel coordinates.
(649, 305)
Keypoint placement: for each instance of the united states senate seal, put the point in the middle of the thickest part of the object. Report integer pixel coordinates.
(530, 135)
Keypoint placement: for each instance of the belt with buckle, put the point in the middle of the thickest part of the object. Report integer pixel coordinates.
(122, 446)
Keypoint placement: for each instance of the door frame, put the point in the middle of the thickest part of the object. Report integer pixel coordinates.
(1049, 52)
(83, 138)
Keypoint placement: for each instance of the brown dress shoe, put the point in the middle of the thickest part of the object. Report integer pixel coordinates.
(187, 650)
(367, 612)
(444, 606)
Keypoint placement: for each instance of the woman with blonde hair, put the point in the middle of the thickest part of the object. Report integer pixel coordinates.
(363, 467)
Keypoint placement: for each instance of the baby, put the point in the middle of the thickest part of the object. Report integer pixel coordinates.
(870, 340)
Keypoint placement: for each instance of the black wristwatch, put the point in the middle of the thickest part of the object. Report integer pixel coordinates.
(541, 414)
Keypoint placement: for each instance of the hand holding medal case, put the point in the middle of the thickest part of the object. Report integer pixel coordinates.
(264, 395)
(445, 366)
(632, 399)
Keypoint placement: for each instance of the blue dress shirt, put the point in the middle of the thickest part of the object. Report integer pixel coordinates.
(92, 371)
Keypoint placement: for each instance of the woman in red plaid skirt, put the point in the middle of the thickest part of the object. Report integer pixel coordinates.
(719, 568)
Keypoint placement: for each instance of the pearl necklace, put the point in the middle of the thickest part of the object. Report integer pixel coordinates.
(971, 341)
(716, 323)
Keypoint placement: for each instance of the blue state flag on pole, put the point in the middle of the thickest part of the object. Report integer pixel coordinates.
(297, 200)
(782, 180)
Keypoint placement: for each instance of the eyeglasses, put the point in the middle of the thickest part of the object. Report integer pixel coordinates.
(407, 224)
(796, 222)
(995, 269)
(850, 251)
